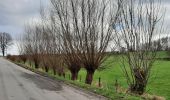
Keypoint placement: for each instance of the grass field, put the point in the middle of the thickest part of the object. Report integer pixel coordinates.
(159, 83)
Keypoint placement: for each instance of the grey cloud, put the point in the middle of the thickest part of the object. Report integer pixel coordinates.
(13, 12)
(19, 6)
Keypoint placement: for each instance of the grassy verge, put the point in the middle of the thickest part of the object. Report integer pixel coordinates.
(110, 94)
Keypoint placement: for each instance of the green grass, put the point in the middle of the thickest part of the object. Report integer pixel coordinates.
(162, 54)
(160, 79)
(158, 84)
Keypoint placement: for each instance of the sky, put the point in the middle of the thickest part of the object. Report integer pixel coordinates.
(14, 14)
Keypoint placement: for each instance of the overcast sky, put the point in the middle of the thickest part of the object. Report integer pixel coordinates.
(15, 13)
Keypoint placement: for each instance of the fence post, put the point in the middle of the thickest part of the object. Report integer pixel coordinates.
(64, 75)
(116, 85)
(99, 81)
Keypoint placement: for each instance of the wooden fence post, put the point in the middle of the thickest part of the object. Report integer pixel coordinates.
(99, 81)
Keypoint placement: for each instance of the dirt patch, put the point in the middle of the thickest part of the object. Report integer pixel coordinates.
(42, 82)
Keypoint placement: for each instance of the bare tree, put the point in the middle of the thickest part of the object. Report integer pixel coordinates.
(5, 41)
(60, 18)
(86, 29)
(139, 24)
(31, 42)
(22, 53)
(40, 44)
(53, 43)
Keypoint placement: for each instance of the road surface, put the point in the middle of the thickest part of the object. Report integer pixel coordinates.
(17, 83)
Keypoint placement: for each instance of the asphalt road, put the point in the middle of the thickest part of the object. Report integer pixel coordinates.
(17, 83)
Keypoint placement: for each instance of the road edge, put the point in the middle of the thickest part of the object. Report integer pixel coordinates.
(43, 74)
